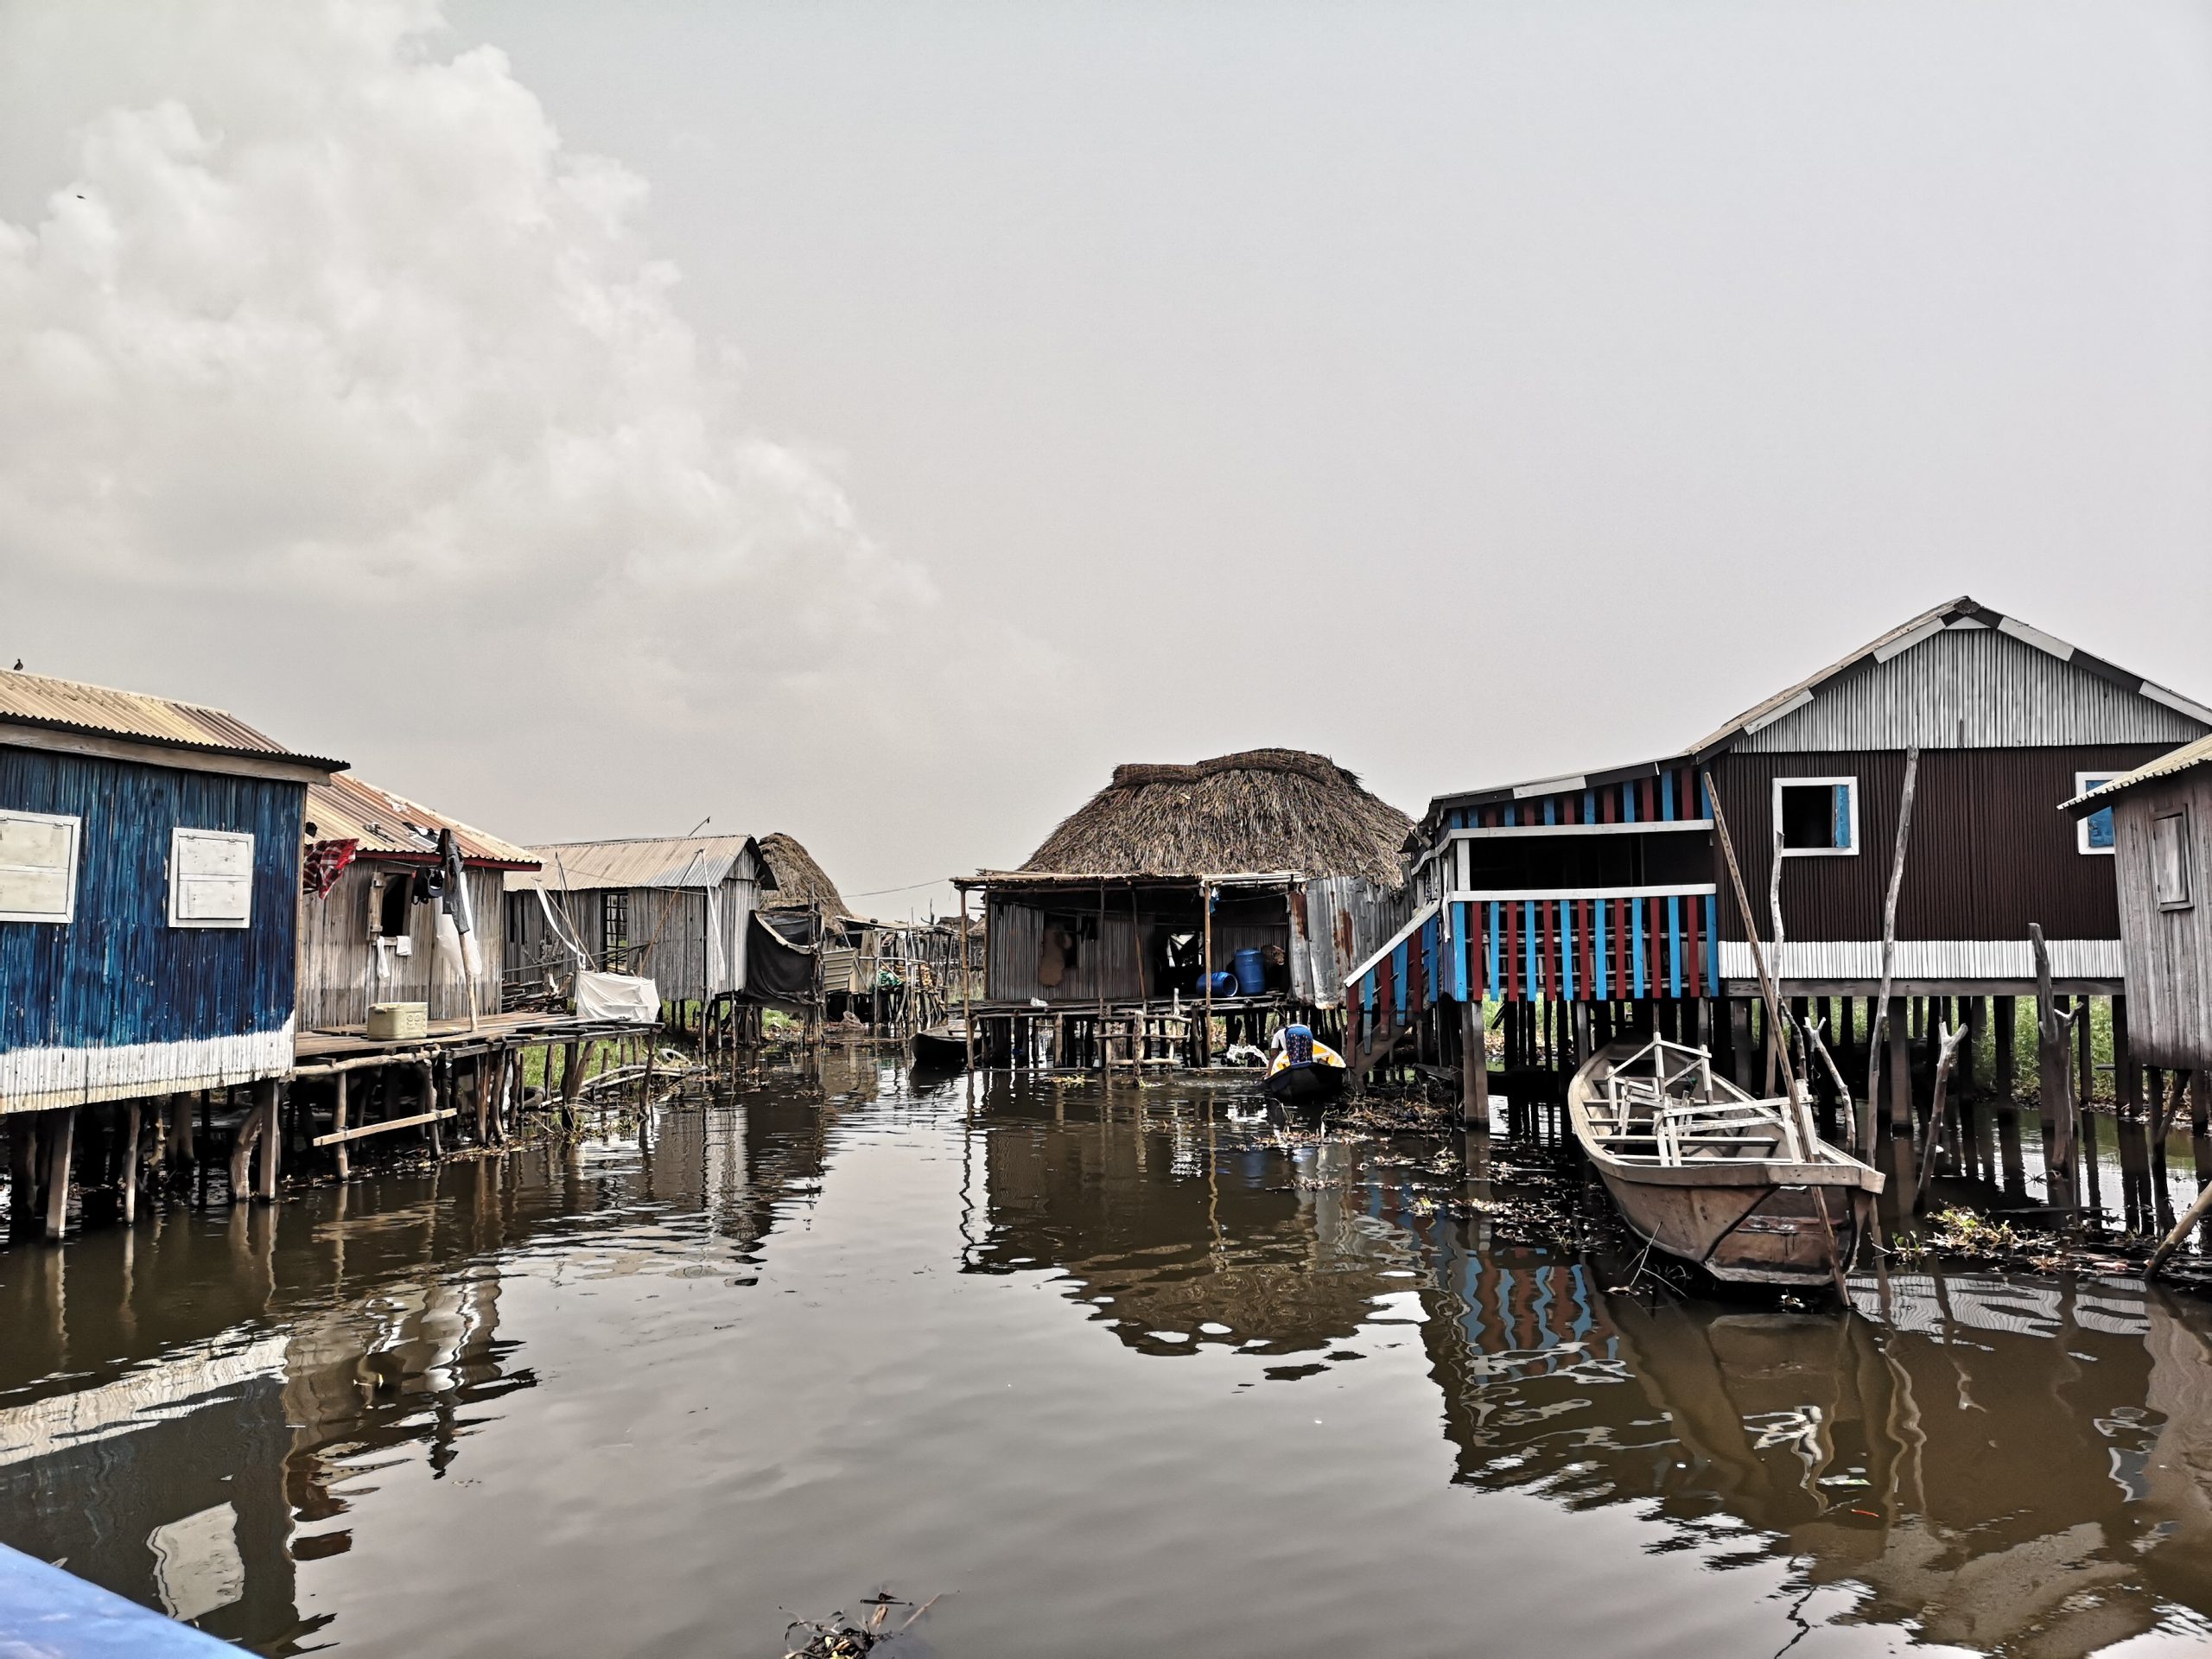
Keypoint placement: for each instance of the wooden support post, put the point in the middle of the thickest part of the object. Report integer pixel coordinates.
(428, 1076)
(131, 1128)
(243, 1140)
(2199, 1102)
(2005, 1016)
(267, 1106)
(1205, 927)
(572, 1082)
(2084, 1090)
(60, 1138)
(338, 1123)
(2127, 1076)
(1740, 1050)
(2059, 1106)
(1474, 1067)
(1900, 1068)
(1977, 1014)
(966, 1004)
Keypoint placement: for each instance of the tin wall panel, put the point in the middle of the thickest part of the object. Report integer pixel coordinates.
(119, 976)
(2169, 951)
(1971, 688)
(1990, 851)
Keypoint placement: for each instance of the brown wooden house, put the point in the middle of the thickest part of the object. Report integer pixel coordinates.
(1607, 888)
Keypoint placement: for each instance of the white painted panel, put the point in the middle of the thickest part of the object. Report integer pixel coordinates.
(1926, 959)
(211, 878)
(34, 1079)
(38, 866)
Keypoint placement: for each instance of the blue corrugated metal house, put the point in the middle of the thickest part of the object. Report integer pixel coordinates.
(149, 896)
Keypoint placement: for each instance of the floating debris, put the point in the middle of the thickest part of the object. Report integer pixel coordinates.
(839, 1637)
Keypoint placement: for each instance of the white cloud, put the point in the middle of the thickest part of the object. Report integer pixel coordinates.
(315, 310)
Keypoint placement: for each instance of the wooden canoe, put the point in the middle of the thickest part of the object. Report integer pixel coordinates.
(1742, 1187)
(941, 1045)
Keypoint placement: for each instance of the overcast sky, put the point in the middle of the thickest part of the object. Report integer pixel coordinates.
(876, 420)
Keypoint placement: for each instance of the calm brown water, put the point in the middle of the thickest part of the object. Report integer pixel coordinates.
(1110, 1373)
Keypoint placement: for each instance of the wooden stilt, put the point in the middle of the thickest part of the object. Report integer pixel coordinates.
(268, 1106)
(131, 1128)
(2004, 1018)
(338, 1123)
(61, 1134)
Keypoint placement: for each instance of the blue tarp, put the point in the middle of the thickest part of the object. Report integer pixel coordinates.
(55, 1614)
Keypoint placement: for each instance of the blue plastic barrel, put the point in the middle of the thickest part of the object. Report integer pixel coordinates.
(1220, 984)
(1251, 972)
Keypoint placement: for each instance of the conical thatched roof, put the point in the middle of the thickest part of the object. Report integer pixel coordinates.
(800, 882)
(1264, 809)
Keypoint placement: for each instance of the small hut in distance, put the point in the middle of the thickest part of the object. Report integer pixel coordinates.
(889, 977)
(1274, 865)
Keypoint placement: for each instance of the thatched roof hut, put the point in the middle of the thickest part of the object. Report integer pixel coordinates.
(1265, 809)
(800, 882)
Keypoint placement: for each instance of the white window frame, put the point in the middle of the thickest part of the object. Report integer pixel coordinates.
(1851, 851)
(2187, 897)
(178, 836)
(76, 827)
(2084, 783)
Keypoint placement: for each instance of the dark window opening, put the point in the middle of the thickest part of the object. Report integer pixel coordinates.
(1816, 817)
(391, 913)
(614, 929)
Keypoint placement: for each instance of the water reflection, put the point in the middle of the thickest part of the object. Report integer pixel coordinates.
(297, 1351)
(978, 1334)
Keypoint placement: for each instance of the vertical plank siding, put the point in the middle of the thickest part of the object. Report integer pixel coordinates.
(116, 1002)
(2169, 952)
(339, 957)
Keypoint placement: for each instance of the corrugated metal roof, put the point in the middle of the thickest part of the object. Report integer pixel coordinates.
(2184, 758)
(72, 706)
(663, 861)
(346, 809)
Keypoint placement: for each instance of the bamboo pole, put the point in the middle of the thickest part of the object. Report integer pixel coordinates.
(967, 1004)
(1205, 911)
(61, 1134)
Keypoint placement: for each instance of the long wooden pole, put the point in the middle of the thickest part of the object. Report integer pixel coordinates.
(1778, 1050)
(1205, 911)
(966, 1004)
(1880, 1015)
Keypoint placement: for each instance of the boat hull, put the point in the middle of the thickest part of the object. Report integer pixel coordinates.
(1305, 1086)
(1786, 1220)
(940, 1049)
(1755, 1233)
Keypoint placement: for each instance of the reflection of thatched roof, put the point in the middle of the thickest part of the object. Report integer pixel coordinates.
(800, 882)
(1264, 809)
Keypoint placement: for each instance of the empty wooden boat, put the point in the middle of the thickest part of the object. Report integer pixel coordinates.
(1741, 1187)
(941, 1045)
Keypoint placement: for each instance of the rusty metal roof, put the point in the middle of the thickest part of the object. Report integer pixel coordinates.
(658, 862)
(2187, 757)
(391, 826)
(96, 710)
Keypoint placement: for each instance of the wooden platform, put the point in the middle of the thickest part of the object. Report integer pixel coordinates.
(349, 1046)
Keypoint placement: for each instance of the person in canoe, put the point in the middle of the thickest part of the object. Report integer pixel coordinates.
(1305, 1072)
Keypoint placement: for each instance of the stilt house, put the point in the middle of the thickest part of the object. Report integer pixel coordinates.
(369, 928)
(1168, 873)
(150, 895)
(681, 911)
(2157, 822)
(1606, 893)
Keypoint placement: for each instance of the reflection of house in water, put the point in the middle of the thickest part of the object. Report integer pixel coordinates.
(1237, 1234)
(297, 1349)
(2015, 1468)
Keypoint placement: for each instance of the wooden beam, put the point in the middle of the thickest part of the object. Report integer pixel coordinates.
(378, 1128)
